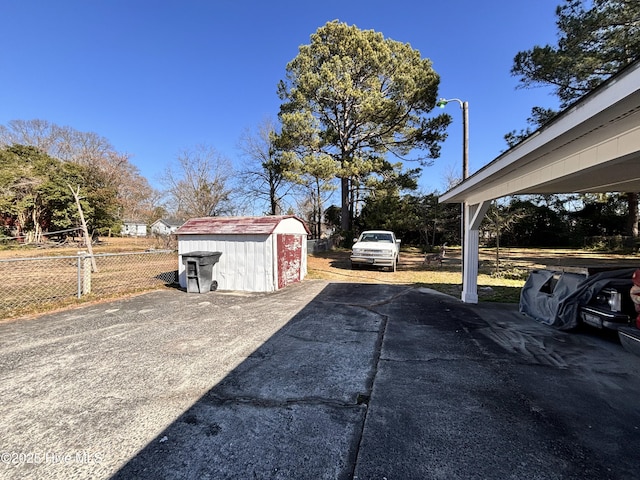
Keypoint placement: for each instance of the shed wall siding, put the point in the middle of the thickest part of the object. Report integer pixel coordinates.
(246, 264)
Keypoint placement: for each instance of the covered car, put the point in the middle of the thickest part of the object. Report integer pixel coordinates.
(564, 299)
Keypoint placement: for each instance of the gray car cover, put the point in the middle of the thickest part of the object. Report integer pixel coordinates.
(558, 305)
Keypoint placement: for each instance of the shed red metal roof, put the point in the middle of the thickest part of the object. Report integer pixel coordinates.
(234, 225)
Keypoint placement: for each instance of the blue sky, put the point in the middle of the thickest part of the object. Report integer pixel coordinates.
(158, 76)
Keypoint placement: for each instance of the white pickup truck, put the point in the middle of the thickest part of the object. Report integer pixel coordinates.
(378, 248)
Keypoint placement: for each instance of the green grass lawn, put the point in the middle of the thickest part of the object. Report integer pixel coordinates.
(502, 284)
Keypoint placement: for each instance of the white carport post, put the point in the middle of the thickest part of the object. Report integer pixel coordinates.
(473, 215)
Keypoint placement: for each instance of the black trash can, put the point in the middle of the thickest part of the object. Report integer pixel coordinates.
(199, 270)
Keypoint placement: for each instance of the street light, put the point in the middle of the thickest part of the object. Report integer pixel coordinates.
(465, 164)
(465, 126)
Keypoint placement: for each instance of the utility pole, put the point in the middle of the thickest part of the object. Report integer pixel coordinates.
(465, 165)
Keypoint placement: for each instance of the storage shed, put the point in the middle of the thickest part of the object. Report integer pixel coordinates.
(259, 254)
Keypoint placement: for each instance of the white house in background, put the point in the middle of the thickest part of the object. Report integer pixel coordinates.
(133, 228)
(165, 226)
(259, 254)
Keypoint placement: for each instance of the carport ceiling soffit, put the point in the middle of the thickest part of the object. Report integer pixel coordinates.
(600, 153)
(588, 163)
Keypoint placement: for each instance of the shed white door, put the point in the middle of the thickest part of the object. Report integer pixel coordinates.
(289, 259)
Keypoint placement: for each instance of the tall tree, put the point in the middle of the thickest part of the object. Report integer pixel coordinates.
(264, 175)
(539, 116)
(385, 208)
(90, 150)
(355, 97)
(19, 186)
(596, 38)
(499, 219)
(35, 198)
(198, 186)
(314, 176)
(543, 224)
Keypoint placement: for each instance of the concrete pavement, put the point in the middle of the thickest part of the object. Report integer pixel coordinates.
(317, 381)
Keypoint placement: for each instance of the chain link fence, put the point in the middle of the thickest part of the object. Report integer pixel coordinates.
(30, 285)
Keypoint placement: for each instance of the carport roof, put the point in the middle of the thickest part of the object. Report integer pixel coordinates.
(592, 146)
(234, 225)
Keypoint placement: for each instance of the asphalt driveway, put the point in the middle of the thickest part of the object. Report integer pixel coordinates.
(320, 381)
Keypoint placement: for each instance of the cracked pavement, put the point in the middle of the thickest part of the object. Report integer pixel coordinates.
(317, 381)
